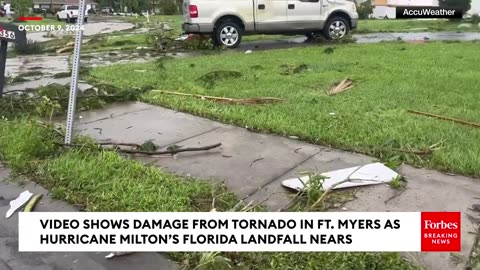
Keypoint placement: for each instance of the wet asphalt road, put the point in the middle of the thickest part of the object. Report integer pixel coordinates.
(364, 38)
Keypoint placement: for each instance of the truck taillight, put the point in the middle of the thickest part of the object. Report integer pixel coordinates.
(193, 11)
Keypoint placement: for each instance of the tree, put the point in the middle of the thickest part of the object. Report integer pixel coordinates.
(22, 7)
(464, 5)
(364, 9)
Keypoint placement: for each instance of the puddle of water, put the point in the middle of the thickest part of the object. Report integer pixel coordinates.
(434, 36)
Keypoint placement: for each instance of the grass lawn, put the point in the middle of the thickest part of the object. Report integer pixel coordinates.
(375, 26)
(106, 181)
(372, 118)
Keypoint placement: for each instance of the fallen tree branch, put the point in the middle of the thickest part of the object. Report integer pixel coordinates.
(172, 151)
(261, 100)
(121, 144)
(459, 121)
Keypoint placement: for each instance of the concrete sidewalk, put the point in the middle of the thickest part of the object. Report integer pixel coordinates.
(253, 165)
(11, 259)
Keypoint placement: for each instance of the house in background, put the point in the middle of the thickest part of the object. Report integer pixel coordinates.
(54, 5)
(387, 8)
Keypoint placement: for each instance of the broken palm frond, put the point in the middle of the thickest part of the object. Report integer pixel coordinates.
(261, 100)
(459, 121)
(143, 152)
(31, 204)
(341, 87)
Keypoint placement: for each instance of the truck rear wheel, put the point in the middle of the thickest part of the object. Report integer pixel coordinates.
(336, 28)
(228, 34)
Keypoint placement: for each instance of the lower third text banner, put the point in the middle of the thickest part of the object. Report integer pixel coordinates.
(239, 232)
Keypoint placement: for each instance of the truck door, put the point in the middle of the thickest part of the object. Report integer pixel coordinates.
(304, 14)
(270, 15)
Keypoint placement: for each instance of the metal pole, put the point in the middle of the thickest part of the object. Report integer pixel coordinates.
(3, 61)
(75, 70)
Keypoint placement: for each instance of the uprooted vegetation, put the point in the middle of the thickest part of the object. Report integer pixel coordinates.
(163, 38)
(52, 100)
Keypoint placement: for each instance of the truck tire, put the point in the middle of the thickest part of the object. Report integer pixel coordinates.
(85, 19)
(336, 28)
(58, 18)
(228, 34)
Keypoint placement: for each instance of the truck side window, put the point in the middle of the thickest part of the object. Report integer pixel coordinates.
(309, 1)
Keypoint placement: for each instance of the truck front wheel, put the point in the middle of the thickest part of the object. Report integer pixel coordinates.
(228, 34)
(336, 28)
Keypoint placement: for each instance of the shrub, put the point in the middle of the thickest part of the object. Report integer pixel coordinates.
(364, 9)
(464, 5)
(31, 47)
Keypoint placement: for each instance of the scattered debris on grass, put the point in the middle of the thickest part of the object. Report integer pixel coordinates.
(260, 100)
(210, 79)
(329, 50)
(293, 69)
(31, 73)
(51, 100)
(343, 86)
(17, 79)
(459, 121)
(32, 203)
(62, 75)
(18, 203)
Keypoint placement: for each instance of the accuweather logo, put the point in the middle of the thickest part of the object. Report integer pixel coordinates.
(428, 13)
(441, 232)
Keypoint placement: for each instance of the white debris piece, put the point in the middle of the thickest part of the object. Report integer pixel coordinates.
(370, 174)
(117, 254)
(18, 203)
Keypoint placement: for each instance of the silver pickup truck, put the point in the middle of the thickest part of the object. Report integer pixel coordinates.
(228, 21)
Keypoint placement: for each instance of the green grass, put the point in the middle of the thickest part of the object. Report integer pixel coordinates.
(372, 118)
(105, 181)
(376, 26)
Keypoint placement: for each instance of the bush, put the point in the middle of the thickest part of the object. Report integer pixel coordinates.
(31, 47)
(475, 18)
(464, 5)
(364, 9)
(168, 8)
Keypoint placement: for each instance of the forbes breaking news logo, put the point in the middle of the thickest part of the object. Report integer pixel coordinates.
(428, 13)
(441, 232)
